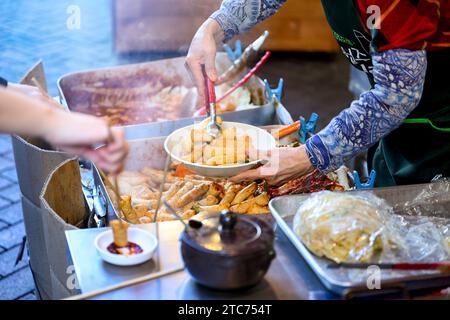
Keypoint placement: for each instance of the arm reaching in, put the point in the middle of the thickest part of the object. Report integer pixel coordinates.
(399, 78)
(24, 111)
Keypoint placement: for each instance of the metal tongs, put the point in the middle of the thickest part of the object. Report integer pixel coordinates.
(213, 128)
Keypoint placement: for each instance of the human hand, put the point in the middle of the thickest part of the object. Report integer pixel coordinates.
(81, 134)
(281, 165)
(203, 51)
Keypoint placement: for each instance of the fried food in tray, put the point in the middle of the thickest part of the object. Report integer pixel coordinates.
(193, 195)
(231, 147)
(188, 193)
(343, 227)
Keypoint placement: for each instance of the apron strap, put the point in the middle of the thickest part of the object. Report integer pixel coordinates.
(425, 121)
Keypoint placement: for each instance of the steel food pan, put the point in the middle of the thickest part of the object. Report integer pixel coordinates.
(146, 152)
(348, 282)
(143, 153)
(132, 85)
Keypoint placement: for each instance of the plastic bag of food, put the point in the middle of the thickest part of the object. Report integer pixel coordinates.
(426, 223)
(347, 227)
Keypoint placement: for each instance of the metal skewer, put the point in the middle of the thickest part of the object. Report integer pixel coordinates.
(172, 210)
(161, 187)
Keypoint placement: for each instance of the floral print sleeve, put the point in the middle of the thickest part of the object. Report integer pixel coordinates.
(235, 16)
(399, 76)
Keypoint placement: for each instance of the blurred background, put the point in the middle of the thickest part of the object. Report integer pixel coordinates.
(71, 35)
(74, 35)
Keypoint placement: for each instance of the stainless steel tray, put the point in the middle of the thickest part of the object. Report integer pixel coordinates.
(350, 282)
(260, 116)
(148, 152)
(119, 80)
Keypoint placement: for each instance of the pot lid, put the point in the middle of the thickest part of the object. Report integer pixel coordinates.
(228, 233)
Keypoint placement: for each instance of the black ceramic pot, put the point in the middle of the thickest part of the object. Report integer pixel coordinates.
(228, 251)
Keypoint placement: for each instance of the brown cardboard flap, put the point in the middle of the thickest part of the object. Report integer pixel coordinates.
(39, 263)
(62, 194)
(37, 72)
(63, 208)
(34, 162)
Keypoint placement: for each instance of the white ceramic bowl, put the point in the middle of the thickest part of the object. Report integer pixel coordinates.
(262, 140)
(144, 239)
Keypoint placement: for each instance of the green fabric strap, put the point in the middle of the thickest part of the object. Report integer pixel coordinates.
(425, 121)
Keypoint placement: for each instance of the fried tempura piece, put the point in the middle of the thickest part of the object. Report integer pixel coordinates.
(209, 200)
(120, 232)
(244, 193)
(186, 188)
(195, 193)
(256, 209)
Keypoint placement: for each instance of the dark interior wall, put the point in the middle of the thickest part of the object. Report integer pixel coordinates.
(313, 83)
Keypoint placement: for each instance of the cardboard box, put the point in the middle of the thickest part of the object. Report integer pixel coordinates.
(63, 208)
(37, 249)
(34, 162)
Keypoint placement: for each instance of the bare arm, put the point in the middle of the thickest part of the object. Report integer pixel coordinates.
(24, 111)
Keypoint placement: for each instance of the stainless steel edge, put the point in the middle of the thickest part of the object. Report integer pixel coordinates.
(407, 282)
(340, 288)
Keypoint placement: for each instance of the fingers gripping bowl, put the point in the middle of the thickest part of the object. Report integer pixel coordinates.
(236, 150)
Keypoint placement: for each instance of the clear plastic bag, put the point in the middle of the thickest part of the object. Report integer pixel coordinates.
(426, 221)
(360, 227)
(347, 227)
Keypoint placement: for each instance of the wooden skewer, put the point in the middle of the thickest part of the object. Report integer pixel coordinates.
(125, 284)
(161, 187)
(115, 185)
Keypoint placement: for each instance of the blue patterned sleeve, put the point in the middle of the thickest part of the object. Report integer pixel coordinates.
(235, 16)
(399, 76)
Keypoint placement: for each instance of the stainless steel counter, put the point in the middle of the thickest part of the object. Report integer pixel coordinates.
(289, 277)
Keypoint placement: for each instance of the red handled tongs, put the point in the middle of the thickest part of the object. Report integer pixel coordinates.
(213, 128)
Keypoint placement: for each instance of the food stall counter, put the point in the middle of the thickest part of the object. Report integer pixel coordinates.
(289, 277)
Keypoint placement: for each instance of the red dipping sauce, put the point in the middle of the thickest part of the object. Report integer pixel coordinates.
(129, 250)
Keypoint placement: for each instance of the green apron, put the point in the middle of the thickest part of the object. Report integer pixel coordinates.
(419, 149)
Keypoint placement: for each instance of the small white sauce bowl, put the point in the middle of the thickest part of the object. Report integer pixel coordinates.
(144, 239)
